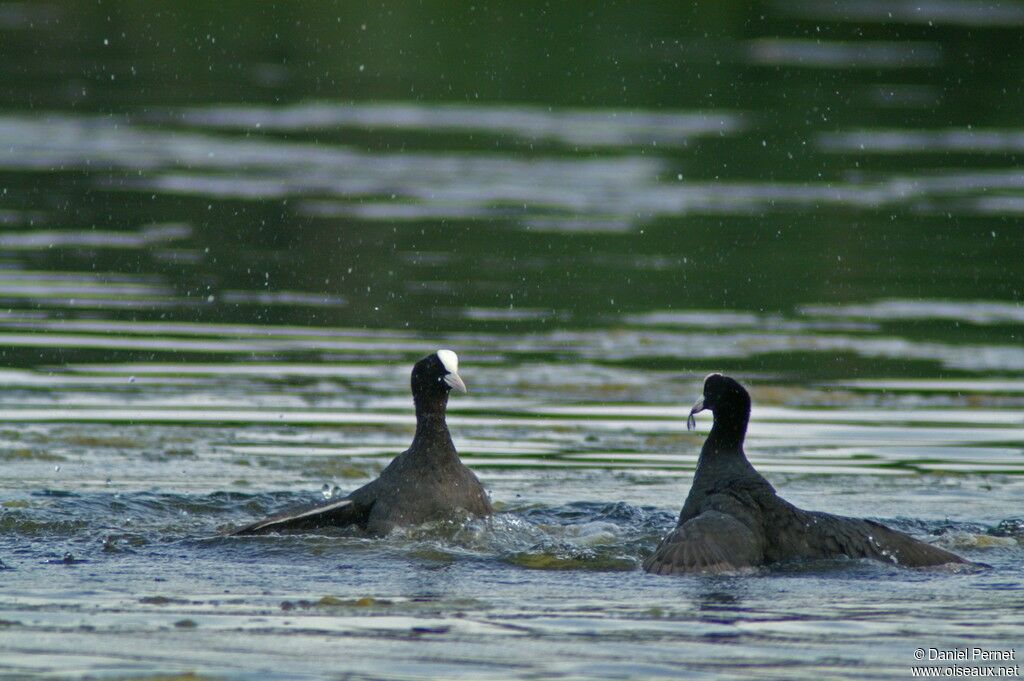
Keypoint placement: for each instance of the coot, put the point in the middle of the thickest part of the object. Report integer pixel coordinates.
(425, 482)
(733, 519)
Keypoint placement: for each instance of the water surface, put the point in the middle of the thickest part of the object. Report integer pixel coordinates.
(226, 237)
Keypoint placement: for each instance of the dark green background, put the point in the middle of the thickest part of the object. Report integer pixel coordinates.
(147, 60)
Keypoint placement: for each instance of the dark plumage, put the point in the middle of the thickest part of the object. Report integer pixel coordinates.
(425, 482)
(733, 518)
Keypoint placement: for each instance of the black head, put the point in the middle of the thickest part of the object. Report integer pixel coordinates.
(434, 376)
(726, 398)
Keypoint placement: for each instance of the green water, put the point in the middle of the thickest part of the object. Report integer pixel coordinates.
(228, 230)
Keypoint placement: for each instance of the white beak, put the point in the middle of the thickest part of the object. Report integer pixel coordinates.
(455, 382)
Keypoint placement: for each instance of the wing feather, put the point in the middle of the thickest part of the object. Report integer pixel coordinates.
(809, 534)
(710, 542)
(336, 514)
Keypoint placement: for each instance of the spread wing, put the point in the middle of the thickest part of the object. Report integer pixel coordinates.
(869, 539)
(710, 542)
(342, 513)
(822, 535)
(354, 509)
(905, 550)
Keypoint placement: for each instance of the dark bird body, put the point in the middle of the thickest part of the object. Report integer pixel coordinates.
(426, 482)
(733, 519)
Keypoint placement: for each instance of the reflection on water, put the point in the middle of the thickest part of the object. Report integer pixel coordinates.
(574, 128)
(830, 55)
(213, 283)
(932, 12)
